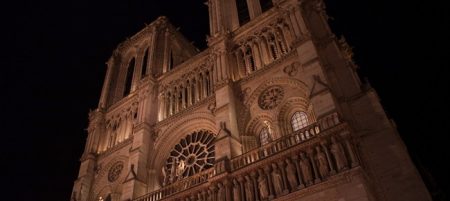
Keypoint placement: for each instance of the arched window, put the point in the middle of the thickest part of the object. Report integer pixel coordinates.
(264, 136)
(171, 60)
(208, 84)
(144, 64)
(299, 120)
(129, 78)
(193, 91)
(243, 13)
(249, 58)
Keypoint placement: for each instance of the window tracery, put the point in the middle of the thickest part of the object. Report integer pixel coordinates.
(115, 171)
(271, 97)
(299, 120)
(191, 155)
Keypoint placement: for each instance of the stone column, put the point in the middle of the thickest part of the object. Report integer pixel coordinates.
(257, 55)
(300, 20)
(170, 100)
(197, 88)
(295, 25)
(183, 97)
(204, 86)
(106, 90)
(254, 8)
(162, 106)
(189, 93)
(241, 181)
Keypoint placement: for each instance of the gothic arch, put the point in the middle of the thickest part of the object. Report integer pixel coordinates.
(256, 124)
(245, 116)
(289, 107)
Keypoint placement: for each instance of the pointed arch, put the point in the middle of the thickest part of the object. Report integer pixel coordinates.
(129, 77)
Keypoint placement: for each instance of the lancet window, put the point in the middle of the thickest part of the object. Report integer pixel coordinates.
(129, 77)
(144, 64)
(185, 94)
(264, 47)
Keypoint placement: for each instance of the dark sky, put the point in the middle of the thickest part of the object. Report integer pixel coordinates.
(53, 65)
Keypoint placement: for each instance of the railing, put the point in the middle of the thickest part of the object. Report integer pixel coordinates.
(317, 145)
(285, 142)
(179, 186)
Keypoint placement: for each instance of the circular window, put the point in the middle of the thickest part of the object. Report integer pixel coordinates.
(191, 155)
(271, 97)
(114, 171)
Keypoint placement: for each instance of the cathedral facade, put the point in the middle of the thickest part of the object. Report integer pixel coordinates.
(273, 109)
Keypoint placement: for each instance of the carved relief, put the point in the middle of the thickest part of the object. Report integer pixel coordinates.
(212, 107)
(322, 163)
(292, 69)
(262, 186)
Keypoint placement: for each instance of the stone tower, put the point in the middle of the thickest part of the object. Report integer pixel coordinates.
(272, 109)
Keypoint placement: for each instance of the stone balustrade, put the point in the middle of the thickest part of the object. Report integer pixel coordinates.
(179, 186)
(305, 158)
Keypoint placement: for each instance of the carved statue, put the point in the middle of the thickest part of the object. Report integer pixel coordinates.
(164, 174)
(305, 167)
(290, 171)
(221, 194)
(262, 186)
(269, 130)
(338, 153)
(210, 195)
(180, 169)
(173, 172)
(236, 191)
(277, 180)
(322, 163)
(248, 189)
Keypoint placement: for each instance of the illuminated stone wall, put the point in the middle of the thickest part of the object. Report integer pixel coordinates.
(243, 91)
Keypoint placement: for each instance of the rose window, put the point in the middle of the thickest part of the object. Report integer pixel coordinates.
(271, 97)
(191, 155)
(114, 171)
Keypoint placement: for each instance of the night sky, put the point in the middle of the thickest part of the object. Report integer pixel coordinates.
(53, 65)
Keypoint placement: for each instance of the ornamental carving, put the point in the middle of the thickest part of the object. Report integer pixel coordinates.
(271, 97)
(114, 171)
